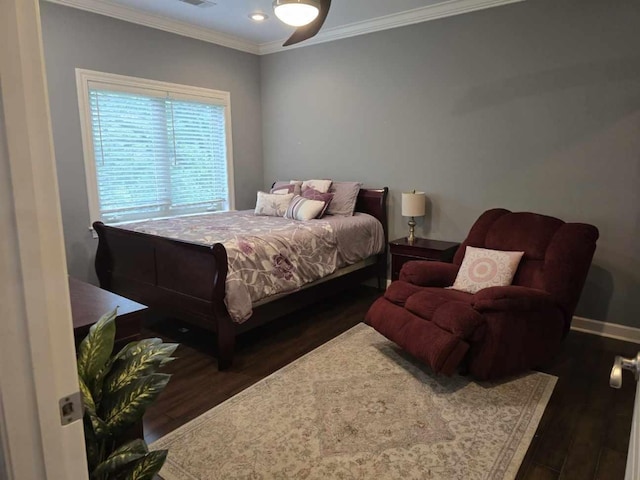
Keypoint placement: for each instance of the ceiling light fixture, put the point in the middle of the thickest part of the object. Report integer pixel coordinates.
(296, 13)
(258, 16)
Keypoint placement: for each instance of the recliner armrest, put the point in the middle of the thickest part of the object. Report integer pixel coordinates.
(513, 297)
(429, 274)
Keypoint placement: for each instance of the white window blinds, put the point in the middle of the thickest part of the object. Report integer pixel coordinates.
(157, 153)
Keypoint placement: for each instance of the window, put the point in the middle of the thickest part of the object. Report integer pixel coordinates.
(154, 149)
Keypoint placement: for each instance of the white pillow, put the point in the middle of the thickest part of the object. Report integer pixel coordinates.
(482, 268)
(272, 204)
(297, 186)
(321, 186)
(284, 190)
(302, 208)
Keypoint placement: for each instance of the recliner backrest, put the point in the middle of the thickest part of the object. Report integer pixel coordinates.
(557, 255)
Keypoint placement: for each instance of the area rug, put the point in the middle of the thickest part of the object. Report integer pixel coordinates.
(359, 408)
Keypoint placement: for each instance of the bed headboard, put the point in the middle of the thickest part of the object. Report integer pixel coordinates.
(374, 202)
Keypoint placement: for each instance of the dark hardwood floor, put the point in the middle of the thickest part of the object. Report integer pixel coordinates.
(583, 435)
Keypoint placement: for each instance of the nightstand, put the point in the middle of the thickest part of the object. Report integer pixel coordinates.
(421, 249)
(89, 303)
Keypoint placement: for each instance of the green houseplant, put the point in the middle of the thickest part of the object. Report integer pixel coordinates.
(116, 390)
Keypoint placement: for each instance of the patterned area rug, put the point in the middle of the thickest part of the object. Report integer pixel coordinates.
(359, 408)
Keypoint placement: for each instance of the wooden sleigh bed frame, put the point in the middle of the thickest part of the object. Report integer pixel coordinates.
(187, 280)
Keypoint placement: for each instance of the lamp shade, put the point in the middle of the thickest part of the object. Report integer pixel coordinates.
(413, 204)
(296, 12)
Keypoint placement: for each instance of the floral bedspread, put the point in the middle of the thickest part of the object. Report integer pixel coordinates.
(267, 255)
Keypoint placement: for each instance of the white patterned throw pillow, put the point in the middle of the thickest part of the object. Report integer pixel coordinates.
(272, 204)
(482, 268)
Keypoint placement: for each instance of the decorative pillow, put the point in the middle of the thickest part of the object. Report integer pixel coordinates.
(302, 208)
(272, 204)
(345, 195)
(313, 194)
(283, 190)
(319, 185)
(482, 268)
(296, 183)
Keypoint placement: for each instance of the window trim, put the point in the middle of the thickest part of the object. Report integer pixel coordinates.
(126, 83)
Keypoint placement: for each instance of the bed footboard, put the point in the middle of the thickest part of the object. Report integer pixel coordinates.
(183, 279)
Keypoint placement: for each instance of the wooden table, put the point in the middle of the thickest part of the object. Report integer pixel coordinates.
(89, 303)
(421, 249)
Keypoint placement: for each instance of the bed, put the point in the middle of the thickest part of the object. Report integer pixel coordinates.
(187, 279)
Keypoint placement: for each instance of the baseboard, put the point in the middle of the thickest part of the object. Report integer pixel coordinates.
(605, 329)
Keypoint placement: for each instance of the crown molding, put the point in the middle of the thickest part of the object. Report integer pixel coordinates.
(410, 17)
(128, 14)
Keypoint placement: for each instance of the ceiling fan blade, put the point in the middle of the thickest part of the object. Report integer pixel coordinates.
(304, 33)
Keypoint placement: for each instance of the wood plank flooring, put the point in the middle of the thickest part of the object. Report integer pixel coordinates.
(583, 435)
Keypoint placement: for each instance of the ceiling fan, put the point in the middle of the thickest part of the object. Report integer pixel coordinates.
(307, 15)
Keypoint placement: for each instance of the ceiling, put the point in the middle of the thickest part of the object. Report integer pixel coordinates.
(227, 22)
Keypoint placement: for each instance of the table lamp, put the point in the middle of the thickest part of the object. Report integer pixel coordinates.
(413, 205)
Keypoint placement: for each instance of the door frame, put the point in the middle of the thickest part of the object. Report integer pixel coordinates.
(37, 357)
(633, 456)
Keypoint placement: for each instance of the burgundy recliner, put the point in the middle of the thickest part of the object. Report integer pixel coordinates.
(498, 331)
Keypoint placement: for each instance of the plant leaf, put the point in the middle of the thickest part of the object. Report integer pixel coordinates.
(134, 348)
(121, 457)
(148, 466)
(90, 443)
(99, 427)
(87, 398)
(99, 382)
(133, 367)
(124, 349)
(167, 360)
(128, 404)
(94, 351)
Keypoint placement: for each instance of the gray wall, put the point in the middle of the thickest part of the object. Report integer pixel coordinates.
(76, 39)
(532, 106)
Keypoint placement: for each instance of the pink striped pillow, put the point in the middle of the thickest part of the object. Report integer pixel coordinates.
(303, 209)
